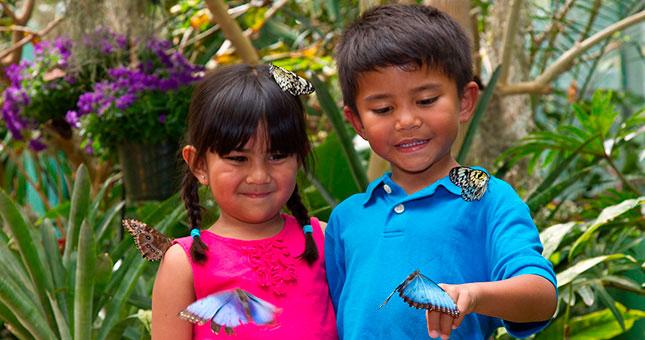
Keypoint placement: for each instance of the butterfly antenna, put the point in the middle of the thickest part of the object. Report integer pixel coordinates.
(389, 296)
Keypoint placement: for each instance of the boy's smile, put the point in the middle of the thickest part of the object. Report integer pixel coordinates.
(410, 116)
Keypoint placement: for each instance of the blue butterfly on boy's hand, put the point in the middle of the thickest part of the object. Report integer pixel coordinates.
(229, 309)
(419, 291)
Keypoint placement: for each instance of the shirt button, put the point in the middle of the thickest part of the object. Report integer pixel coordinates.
(387, 188)
(399, 208)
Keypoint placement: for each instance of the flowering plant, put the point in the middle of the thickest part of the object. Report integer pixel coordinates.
(144, 102)
(42, 90)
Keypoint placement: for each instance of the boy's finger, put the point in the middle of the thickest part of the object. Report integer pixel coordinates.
(433, 323)
(446, 325)
(457, 321)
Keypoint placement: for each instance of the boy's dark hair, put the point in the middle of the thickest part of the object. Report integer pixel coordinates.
(398, 35)
(226, 109)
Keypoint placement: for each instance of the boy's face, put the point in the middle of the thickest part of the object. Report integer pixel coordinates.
(411, 117)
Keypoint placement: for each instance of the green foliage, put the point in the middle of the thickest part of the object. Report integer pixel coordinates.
(590, 199)
(45, 294)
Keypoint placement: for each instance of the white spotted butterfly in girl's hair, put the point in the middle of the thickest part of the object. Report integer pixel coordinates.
(227, 309)
(290, 82)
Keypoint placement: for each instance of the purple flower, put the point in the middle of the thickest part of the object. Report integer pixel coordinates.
(162, 118)
(72, 117)
(37, 145)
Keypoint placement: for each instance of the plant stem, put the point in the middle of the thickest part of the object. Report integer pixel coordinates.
(620, 175)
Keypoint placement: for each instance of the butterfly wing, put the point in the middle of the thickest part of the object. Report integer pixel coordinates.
(260, 311)
(473, 182)
(421, 292)
(229, 309)
(151, 243)
(203, 310)
(291, 82)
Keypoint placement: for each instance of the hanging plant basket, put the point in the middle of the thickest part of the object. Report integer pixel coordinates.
(150, 171)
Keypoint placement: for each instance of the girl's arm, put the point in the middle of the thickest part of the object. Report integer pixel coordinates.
(173, 291)
(524, 298)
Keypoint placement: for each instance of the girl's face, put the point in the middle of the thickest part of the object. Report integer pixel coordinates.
(250, 185)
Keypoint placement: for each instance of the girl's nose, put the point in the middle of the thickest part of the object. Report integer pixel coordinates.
(407, 120)
(258, 174)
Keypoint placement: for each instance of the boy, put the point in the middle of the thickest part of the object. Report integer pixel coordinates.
(405, 73)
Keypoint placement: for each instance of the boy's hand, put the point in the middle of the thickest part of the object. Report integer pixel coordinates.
(441, 324)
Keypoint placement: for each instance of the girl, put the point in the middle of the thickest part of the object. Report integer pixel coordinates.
(246, 140)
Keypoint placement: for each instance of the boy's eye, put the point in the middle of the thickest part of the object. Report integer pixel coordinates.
(382, 110)
(427, 101)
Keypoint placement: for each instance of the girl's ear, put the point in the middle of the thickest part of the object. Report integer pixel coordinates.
(468, 101)
(189, 153)
(355, 120)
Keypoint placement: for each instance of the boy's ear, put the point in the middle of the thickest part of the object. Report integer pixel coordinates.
(468, 101)
(189, 153)
(355, 120)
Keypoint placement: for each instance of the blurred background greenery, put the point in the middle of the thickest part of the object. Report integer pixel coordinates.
(560, 117)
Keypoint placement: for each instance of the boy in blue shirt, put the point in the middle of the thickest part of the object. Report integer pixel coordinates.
(405, 72)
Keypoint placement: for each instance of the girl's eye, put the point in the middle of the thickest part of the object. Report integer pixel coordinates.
(278, 156)
(382, 110)
(237, 159)
(427, 101)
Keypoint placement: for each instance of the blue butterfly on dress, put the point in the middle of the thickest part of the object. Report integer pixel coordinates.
(473, 182)
(229, 309)
(420, 292)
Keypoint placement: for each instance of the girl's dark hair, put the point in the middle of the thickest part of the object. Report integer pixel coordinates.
(226, 109)
(400, 35)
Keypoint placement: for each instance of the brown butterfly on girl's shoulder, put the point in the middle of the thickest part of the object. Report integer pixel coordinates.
(151, 243)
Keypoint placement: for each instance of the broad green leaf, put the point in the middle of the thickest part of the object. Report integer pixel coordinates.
(330, 169)
(55, 264)
(30, 316)
(482, 105)
(553, 235)
(78, 212)
(26, 247)
(9, 318)
(571, 273)
(610, 303)
(11, 267)
(607, 214)
(586, 294)
(124, 281)
(602, 324)
(84, 288)
(336, 118)
(59, 316)
(107, 220)
(598, 325)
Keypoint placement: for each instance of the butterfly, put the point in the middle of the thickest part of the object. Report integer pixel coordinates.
(151, 243)
(473, 182)
(290, 82)
(229, 309)
(419, 291)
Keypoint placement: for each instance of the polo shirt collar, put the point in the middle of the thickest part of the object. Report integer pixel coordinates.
(429, 190)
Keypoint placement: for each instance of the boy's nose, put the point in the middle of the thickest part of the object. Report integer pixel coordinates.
(258, 174)
(407, 120)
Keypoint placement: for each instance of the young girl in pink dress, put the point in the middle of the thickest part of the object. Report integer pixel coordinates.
(246, 141)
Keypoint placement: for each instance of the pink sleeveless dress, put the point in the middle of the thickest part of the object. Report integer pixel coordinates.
(271, 270)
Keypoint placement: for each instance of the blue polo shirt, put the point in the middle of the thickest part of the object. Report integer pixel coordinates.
(375, 239)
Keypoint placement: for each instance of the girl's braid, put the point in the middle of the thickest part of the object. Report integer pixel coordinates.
(301, 214)
(190, 195)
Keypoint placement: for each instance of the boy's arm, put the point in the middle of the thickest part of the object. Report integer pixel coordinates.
(520, 299)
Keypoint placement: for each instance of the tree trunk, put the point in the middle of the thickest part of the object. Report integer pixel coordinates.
(508, 118)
